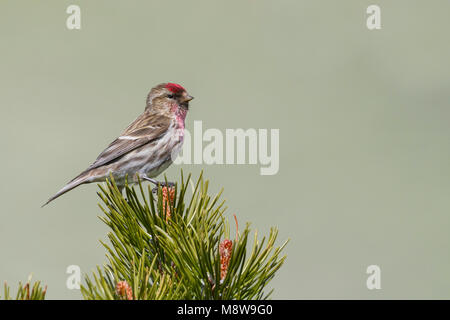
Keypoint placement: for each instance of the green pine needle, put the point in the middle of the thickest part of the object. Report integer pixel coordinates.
(158, 255)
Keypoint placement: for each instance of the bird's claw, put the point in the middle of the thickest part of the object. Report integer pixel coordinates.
(158, 184)
(169, 185)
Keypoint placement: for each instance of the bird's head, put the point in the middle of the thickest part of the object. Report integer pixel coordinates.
(166, 95)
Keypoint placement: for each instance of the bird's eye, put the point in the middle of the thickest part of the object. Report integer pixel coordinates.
(170, 96)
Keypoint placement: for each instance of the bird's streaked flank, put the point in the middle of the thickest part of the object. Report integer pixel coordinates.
(147, 146)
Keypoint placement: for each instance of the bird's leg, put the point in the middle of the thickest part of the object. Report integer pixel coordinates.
(169, 185)
(145, 177)
(157, 183)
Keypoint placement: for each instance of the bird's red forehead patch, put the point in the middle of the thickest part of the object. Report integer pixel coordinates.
(175, 88)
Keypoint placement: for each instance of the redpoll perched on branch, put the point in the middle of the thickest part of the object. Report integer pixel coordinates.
(147, 146)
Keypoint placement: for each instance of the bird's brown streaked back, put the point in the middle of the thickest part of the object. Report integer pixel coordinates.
(149, 126)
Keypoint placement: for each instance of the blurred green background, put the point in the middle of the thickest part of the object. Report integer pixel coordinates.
(363, 118)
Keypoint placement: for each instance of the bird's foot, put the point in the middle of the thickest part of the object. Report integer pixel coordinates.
(169, 185)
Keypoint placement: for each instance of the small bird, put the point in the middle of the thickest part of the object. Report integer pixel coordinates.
(147, 146)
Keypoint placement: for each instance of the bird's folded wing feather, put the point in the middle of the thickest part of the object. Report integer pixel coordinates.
(143, 130)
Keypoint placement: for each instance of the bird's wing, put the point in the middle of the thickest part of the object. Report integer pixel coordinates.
(143, 130)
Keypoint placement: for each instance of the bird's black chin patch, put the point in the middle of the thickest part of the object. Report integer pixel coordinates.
(185, 105)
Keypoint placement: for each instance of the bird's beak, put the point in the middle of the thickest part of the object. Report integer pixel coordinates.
(188, 98)
(184, 101)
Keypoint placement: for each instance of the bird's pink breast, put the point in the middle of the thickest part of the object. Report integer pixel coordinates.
(181, 117)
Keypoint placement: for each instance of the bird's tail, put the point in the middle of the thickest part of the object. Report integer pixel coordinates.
(71, 185)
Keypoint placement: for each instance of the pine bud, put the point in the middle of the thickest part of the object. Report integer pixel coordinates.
(124, 290)
(225, 250)
(168, 194)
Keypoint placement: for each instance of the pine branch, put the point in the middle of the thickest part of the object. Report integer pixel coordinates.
(168, 245)
(28, 291)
